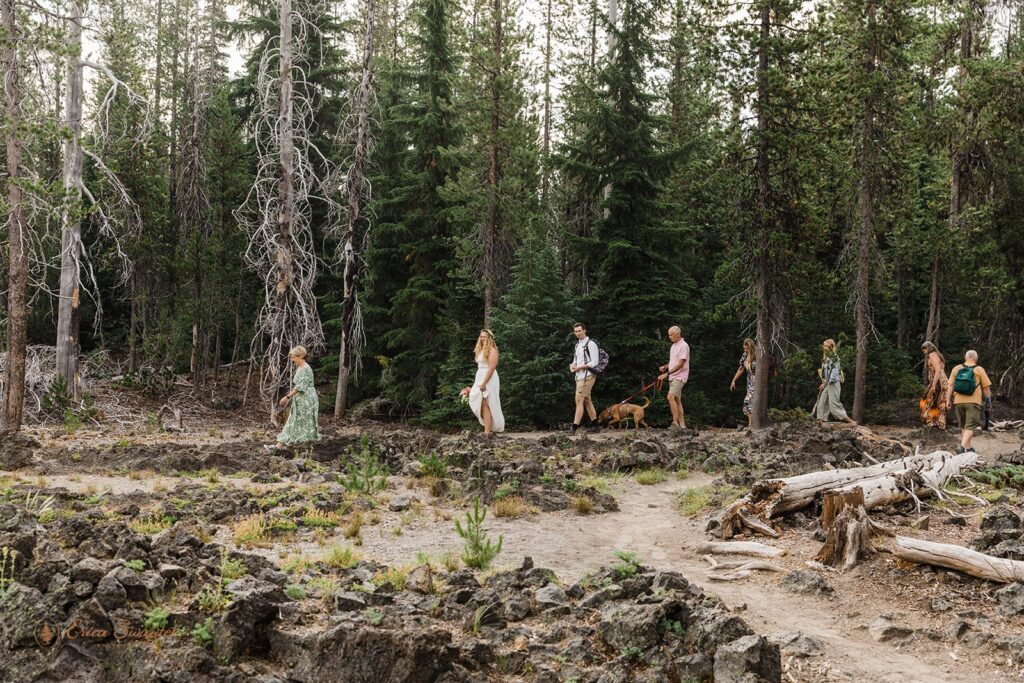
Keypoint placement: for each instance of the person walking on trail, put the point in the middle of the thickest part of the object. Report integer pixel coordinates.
(582, 366)
(748, 364)
(831, 376)
(677, 371)
(967, 389)
(302, 425)
(485, 394)
(933, 403)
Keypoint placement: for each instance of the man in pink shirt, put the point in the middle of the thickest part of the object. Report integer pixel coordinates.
(678, 372)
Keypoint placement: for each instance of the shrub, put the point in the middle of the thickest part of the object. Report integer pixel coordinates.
(434, 465)
(366, 474)
(202, 633)
(583, 505)
(156, 619)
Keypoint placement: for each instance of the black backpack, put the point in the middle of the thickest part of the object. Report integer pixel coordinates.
(602, 358)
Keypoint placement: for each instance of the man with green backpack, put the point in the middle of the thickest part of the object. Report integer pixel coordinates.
(968, 388)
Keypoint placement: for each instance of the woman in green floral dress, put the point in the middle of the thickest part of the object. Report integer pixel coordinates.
(302, 425)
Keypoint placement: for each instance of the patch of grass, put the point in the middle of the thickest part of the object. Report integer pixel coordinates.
(251, 531)
(319, 518)
(231, 569)
(507, 489)
(450, 561)
(8, 557)
(156, 619)
(649, 477)
(212, 598)
(135, 565)
(512, 507)
(692, 501)
(353, 526)
(602, 483)
(343, 557)
(151, 524)
(394, 576)
(279, 526)
(374, 616)
(295, 592)
(682, 473)
(583, 505)
(46, 516)
(296, 564)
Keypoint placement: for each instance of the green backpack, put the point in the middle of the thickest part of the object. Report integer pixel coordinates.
(965, 382)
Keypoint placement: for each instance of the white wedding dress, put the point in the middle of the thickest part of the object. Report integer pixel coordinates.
(493, 396)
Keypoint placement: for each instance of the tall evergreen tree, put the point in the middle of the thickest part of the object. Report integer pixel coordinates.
(640, 288)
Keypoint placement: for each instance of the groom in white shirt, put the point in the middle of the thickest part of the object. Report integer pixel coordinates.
(585, 358)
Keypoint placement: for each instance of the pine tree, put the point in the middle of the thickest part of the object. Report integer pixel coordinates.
(420, 307)
(640, 288)
(532, 329)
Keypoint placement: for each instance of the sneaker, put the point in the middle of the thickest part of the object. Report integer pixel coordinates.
(272, 448)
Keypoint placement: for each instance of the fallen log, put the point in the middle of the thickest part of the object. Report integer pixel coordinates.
(897, 487)
(774, 497)
(739, 548)
(957, 557)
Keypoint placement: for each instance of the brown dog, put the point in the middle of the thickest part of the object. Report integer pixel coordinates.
(617, 413)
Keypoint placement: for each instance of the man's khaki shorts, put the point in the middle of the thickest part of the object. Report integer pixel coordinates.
(675, 387)
(585, 386)
(968, 414)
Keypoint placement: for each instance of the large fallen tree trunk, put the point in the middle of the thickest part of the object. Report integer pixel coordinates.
(957, 557)
(774, 497)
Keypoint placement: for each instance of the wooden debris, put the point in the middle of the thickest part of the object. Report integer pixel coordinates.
(740, 548)
(888, 482)
(960, 558)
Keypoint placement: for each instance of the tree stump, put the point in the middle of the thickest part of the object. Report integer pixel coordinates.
(847, 528)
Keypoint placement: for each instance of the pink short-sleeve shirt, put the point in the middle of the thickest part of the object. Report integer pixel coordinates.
(680, 351)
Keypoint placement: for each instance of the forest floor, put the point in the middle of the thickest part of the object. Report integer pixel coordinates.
(648, 522)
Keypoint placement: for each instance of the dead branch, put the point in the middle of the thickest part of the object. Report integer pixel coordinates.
(739, 548)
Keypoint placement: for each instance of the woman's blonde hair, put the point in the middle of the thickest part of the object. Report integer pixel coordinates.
(298, 352)
(751, 348)
(831, 344)
(484, 346)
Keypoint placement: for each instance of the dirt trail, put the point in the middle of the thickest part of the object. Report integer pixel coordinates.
(647, 524)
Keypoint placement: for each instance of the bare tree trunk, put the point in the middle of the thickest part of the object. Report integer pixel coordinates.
(613, 21)
(71, 226)
(493, 171)
(17, 293)
(285, 189)
(901, 304)
(546, 141)
(865, 231)
(351, 318)
(159, 48)
(762, 285)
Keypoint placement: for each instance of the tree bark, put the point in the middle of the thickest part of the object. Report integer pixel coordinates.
(493, 169)
(68, 312)
(847, 528)
(285, 194)
(959, 558)
(545, 181)
(351, 327)
(866, 228)
(763, 274)
(17, 287)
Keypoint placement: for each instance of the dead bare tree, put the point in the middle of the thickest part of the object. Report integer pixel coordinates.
(13, 394)
(74, 261)
(276, 212)
(357, 189)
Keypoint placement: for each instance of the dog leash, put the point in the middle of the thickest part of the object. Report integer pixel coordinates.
(658, 381)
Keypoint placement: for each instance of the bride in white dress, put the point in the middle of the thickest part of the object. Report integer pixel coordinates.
(485, 394)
